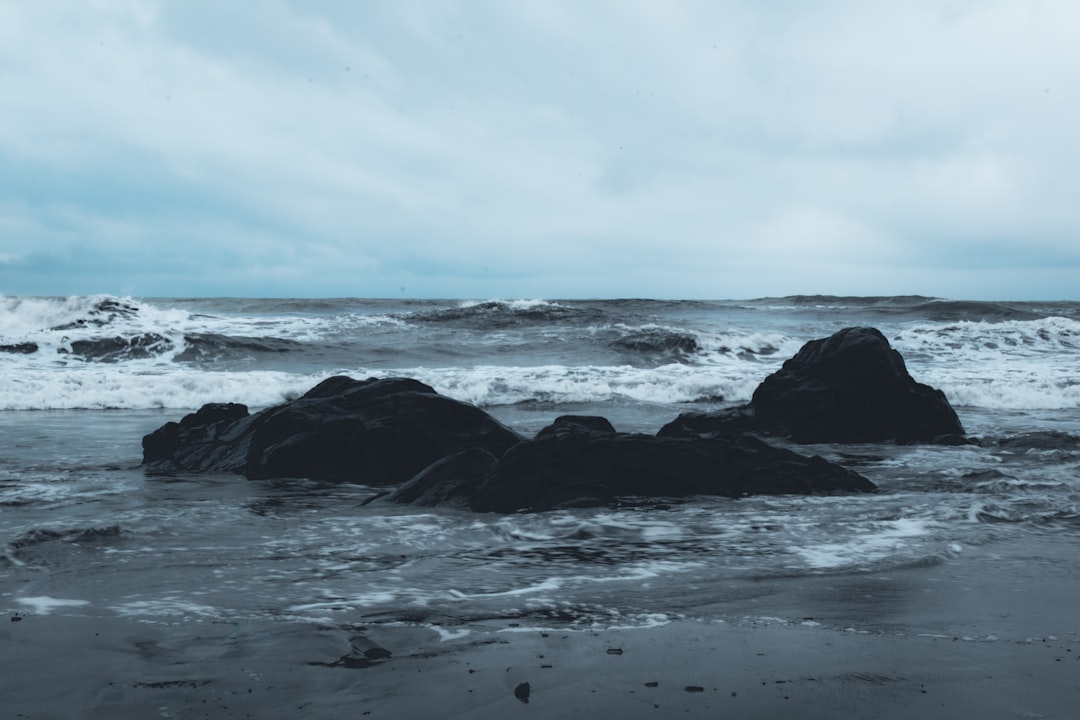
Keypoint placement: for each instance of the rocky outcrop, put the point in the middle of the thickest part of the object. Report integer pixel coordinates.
(850, 387)
(437, 451)
(580, 462)
(23, 348)
(376, 432)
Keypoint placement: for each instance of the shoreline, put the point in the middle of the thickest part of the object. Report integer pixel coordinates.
(82, 667)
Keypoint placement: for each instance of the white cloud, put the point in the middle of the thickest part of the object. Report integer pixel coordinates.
(644, 148)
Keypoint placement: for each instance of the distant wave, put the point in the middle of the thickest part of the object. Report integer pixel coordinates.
(505, 313)
(657, 341)
(954, 310)
(844, 300)
(211, 347)
(20, 316)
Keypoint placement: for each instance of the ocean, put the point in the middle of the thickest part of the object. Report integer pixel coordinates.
(84, 532)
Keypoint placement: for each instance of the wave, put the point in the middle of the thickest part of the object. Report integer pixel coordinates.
(972, 311)
(659, 343)
(970, 338)
(839, 302)
(1011, 391)
(77, 535)
(1039, 441)
(118, 348)
(111, 387)
(20, 316)
(107, 329)
(505, 313)
(1032, 514)
(212, 347)
(186, 385)
(1013, 364)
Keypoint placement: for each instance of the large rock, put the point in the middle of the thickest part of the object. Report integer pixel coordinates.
(582, 461)
(850, 387)
(376, 432)
(436, 451)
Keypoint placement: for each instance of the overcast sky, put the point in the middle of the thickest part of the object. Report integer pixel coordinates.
(714, 149)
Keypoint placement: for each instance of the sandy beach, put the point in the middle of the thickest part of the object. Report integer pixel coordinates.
(992, 636)
(68, 667)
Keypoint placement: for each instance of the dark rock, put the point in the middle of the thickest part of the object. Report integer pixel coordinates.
(522, 691)
(26, 348)
(209, 439)
(695, 424)
(437, 450)
(568, 424)
(363, 647)
(849, 387)
(453, 479)
(376, 431)
(658, 341)
(583, 467)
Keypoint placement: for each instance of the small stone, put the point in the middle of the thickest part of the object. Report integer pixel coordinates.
(521, 692)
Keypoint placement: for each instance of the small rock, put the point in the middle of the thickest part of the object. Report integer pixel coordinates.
(521, 692)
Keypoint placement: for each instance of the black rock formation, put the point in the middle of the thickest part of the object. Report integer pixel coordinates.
(24, 348)
(376, 432)
(400, 432)
(850, 387)
(452, 480)
(571, 464)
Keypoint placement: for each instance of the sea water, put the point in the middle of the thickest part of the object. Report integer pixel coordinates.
(84, 531)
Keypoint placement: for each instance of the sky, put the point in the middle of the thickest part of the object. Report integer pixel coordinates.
(540, 148)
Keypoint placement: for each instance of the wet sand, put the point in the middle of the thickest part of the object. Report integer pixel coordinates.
(84, 667)
(992, 632)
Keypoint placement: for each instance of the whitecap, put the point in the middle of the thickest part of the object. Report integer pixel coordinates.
(44, 605)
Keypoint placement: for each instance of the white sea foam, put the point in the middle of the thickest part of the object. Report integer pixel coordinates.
(53, 324)
(1005, 365)
(43, 604)
(876, 542)
(521, 305)
(642, 622)
(445, 635)
(984, 339)
(357, 601)
(500, 385)
(100, 387)
(168, 606)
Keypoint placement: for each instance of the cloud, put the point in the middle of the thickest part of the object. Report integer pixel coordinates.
(542, 148)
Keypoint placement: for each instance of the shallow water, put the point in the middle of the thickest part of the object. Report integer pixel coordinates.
(89, 533)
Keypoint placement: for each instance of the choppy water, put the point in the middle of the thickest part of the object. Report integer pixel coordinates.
(83, 530)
